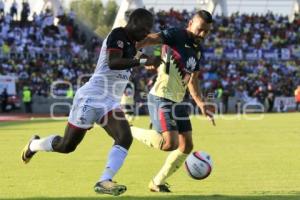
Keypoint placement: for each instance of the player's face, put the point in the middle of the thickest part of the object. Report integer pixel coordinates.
(141, 29)
(199, 28)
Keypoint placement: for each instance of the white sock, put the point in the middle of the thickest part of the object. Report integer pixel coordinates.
(116, 158)
(43, 144)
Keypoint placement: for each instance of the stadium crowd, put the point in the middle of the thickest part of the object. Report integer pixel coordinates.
(246, 55)
(38, 52)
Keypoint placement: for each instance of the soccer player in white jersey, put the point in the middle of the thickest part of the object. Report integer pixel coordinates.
(98, 101)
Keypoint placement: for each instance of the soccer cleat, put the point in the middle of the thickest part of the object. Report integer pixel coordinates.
(109, 187)
(27, 154)
(159, 188)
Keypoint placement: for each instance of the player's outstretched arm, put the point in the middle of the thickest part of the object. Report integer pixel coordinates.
(116, 62)
(151, 39)
(195, 92)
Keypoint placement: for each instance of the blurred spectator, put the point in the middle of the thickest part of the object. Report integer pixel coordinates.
(281, 107)
(1, 8)
(225, 99)
(72, 15)
(157, 50)
(297, 97)
(4, 100)
(260, 94)
(70, 93)
(25, 12)
(270, 97)
(219, 97)
(14, 9)
(27, 99)
(241, 96)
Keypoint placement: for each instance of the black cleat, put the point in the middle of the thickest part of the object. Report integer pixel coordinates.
(27, 154)
(159, 188)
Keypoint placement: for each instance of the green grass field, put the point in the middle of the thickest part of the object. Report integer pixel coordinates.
(253, 160)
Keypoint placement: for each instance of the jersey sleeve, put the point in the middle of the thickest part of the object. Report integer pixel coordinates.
(170, 36)
(115, 41)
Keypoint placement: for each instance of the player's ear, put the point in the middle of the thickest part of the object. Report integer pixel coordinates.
(190, 23)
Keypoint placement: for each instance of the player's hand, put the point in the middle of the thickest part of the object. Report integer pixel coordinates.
(150, 68)
(208, 111)
(153, 61)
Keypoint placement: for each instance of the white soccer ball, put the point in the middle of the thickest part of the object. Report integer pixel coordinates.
(198, 165)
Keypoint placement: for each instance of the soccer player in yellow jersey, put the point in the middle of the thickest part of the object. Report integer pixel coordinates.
(182, 54)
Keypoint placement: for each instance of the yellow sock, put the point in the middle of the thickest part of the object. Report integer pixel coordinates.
(149, 137)
(173, 162)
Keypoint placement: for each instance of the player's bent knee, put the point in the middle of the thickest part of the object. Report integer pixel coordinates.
(170, 145)
(68, 148)
(125, 140)
(170, 142)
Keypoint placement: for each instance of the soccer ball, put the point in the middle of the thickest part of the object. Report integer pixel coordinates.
(198, 165)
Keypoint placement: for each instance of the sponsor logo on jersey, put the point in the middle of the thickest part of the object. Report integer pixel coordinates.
(191, 64)
(122, 76)
(120, 44)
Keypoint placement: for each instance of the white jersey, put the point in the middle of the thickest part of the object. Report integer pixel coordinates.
(106, 83)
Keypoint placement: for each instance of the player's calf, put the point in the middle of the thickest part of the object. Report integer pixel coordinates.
(170, 141)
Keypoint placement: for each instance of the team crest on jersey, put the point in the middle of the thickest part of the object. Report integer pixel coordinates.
(191, 64)
(120, 44)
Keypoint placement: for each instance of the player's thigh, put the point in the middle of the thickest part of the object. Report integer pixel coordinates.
(161, 115)
(82, 116)
(117, 127)
(182, 118)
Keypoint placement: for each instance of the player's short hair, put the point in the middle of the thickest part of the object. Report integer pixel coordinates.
(205, 15)
(139, 14)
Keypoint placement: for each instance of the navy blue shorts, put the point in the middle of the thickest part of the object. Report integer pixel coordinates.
(167, 115)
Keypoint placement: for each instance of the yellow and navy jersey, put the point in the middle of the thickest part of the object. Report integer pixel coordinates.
(181, 58)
